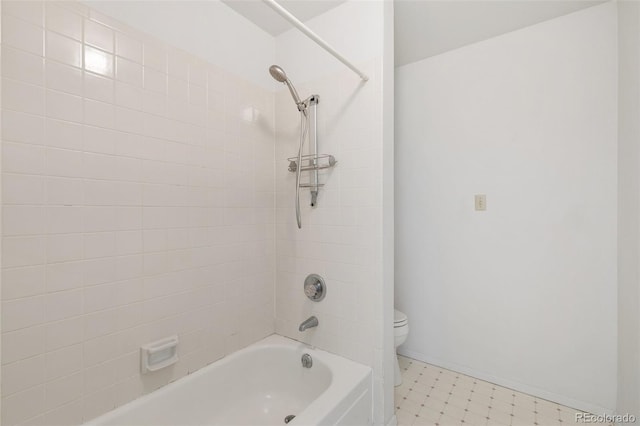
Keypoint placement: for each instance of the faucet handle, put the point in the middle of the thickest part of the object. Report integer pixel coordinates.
(312, 290)
(314, 287)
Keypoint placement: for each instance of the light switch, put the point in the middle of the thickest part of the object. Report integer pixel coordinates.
(481, 202)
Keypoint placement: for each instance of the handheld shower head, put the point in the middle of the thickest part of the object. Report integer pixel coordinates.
(279, 75)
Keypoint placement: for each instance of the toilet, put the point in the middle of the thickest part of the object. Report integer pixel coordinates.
(400, 332)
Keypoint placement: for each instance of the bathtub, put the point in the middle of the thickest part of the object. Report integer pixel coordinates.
(259, 385)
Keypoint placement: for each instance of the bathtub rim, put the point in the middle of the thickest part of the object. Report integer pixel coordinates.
(348, 379)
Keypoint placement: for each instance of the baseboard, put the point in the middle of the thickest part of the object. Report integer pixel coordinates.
(520, 387)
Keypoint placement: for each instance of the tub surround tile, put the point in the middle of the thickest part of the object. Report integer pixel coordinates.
(62, 20)
(339, 239)
(20, 34)
(98, 35)
(116, 227)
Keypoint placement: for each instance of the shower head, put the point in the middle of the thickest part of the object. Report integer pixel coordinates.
(279, 75)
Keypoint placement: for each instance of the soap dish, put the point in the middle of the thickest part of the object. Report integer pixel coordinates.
(160, 354)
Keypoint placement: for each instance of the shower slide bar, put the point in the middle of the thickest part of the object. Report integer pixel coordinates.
(313, 36)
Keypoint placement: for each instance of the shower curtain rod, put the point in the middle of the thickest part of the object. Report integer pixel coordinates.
(313, 36)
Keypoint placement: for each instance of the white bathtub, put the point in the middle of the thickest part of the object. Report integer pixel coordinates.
(259, 385)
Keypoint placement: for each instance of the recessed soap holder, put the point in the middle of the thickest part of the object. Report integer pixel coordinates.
(160, 354)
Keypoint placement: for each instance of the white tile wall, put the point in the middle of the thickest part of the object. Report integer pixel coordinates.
(341, 238)
(137, 203)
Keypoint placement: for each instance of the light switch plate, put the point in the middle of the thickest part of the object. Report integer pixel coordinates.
(481, 202)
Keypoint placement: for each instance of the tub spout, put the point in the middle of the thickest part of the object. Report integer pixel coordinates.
(308, 323)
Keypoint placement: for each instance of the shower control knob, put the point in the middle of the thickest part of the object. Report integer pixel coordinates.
(314, 287)
(312, 290)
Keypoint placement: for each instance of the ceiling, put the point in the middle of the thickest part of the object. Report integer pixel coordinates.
(425, 28)
(263, 16)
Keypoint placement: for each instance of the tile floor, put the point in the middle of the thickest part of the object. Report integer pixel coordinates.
(434, 396)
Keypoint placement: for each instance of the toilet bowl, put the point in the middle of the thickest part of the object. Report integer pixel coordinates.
(400, 332)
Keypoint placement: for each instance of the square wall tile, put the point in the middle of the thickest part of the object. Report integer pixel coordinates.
(63, 49)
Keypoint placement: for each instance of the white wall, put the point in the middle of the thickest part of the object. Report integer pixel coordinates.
(523, 294)
(137, 203)
(341, 239)
(199, 27)
(629, 209)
